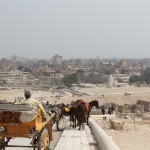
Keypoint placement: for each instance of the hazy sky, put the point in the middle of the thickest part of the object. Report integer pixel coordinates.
(75, 28)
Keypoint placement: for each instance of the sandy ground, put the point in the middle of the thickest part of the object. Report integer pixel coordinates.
(115, 95)
(130, 138)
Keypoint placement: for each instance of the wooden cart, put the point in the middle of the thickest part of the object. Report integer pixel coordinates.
(39, 131)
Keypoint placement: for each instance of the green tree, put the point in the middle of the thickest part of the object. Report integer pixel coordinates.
(27, 69)
(108, 70)
(124, 71)
(146, 75)
(96, 79)
(70, 79)
(135, 79)
(20, 68)
(80, 75)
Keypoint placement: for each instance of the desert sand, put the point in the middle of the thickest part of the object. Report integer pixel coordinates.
(131, 138)
(116, 95)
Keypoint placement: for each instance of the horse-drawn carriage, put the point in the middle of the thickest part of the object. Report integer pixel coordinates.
(21, 121)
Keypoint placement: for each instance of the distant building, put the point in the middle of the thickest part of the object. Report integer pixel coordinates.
(55, 76)
(16, 77)
(57, 61)
(81, 68)
(11, 76)
(117, 80)
(80, 62)
(123, 64)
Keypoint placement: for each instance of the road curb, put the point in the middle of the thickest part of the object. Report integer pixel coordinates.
(103, 140)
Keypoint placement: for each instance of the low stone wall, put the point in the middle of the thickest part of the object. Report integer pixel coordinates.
(103, 140)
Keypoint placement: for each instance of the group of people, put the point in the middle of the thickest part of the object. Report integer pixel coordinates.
(110, 109)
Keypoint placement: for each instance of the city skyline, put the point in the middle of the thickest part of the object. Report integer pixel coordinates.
(75, 29)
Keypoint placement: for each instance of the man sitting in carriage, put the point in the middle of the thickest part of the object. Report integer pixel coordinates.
(33, 102)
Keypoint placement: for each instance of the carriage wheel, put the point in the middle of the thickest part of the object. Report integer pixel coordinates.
(43, 140)
(2, 141)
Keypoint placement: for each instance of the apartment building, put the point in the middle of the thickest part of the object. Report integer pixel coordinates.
(117, 80)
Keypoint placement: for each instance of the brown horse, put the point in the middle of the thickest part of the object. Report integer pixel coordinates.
(73, 116)
(80, 111)
(77, 113)
(80, 116)
(88, 106)
(70, 113)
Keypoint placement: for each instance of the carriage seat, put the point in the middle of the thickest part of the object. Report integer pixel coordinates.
(16, 107)
(15, 113)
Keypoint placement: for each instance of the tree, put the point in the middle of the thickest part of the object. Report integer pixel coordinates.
(96, 79)
(124, 71)
(108, 70)
(146, 75)
(135, 79)
(27, 69)
(80, 75)
(70, 79)
(20, 68)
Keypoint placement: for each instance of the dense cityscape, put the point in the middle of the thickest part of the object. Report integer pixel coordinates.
(44, 73)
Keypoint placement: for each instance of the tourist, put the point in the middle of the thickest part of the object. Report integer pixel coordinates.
(103, 110)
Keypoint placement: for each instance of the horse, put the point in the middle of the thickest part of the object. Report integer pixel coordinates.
(80, 116)
(88, 106)
(73, 114)
(65, 109)
(80, 110)
(53, 108)
(69, 110)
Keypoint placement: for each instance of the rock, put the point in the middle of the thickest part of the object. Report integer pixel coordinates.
(146, 117)
(117, 124)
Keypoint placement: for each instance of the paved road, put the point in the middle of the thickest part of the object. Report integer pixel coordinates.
(57, 134)
(73, 139)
